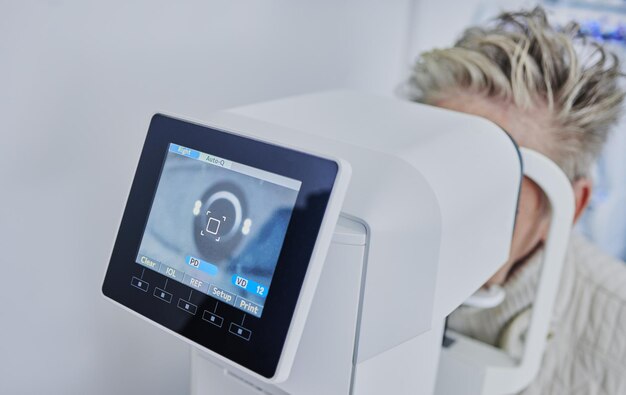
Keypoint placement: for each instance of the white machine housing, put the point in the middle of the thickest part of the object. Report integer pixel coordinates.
(427, 217)
(472, 367)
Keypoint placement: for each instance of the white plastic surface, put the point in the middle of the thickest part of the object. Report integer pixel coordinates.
(415, 168)
(319, 367)
(401, 154)
(407, 369)
(486, 298)
(493, 372)
(388, 195)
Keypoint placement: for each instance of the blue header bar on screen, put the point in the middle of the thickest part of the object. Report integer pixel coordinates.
(184, 151)
(236, 167)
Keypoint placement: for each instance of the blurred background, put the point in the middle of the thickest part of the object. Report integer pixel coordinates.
(79, 81)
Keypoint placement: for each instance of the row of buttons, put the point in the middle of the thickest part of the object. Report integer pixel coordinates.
(191, 308)
(211, 289)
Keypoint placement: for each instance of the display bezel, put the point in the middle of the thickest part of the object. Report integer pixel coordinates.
(261, 353)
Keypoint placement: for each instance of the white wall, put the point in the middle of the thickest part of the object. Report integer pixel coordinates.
(79, 81)
(438, 23)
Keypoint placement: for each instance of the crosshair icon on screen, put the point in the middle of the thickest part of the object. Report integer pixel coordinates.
(219, 221)
(213, 226)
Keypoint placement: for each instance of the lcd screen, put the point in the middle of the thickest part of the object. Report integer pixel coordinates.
(218, 226)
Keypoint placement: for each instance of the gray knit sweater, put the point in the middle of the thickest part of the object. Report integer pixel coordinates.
(586, 350)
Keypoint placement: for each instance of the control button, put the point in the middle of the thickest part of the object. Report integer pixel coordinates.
(163, 295)
(195, 283)
(240, 331)
(171, 272)
(187, 306)
(148, 262)
(248, 307)
(213, 318)
(222, 295)
(139, 283)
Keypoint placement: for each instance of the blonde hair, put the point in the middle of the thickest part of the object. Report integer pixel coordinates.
(521, 60)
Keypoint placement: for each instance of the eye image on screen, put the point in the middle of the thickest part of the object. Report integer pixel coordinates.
(218, 226)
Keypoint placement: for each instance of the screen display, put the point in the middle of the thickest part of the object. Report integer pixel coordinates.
(218, 226)
(217, 237)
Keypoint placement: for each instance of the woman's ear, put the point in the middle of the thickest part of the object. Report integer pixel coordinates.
(582, 195)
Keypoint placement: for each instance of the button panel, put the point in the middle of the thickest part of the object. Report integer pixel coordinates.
(139, 283)
(213, 318)
(221, 295)
(187, 306)
(171, 272)
(163, 295)
(240, 331)
(197, 274)
(195, 283)
(209, 316)
(248, 307)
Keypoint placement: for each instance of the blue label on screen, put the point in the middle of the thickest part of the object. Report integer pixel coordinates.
(201, 265)
(249, 285)
(184, 151)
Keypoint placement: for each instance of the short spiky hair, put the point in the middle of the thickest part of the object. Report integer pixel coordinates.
(521, 59)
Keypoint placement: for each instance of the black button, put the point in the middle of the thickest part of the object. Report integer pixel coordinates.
(187, 306)
(213, 318)
(139, 283)
(240, 331)
(163, 295)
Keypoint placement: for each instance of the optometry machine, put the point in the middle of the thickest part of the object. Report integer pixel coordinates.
(316, 245)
